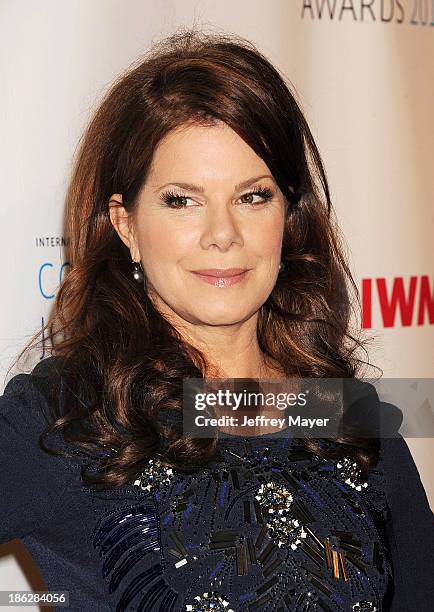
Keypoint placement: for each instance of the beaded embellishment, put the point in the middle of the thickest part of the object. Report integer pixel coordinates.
(269, 528)
(209, 601)
(350, 472)
(364, 606)
(284, 528)
(154, 476)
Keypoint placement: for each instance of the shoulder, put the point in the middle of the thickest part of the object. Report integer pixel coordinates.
(33, 397)
(409, 528)
(402, 478)
(30, 476)
(396, 463)
(364, 414)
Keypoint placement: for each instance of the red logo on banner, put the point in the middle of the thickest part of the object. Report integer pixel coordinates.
(413, 303)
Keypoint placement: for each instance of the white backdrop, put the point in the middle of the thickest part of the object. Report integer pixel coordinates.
(364, 79)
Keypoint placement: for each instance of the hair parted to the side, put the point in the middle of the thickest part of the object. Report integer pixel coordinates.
(117, 351)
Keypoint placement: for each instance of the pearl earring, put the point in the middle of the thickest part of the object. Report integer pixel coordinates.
(137, 272)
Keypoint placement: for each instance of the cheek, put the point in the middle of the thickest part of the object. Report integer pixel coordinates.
(163, 244)
(266, 238)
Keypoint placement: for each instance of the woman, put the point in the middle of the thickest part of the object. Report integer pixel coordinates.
(199, 160)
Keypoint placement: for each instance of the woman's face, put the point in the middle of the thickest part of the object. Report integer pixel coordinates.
(211, 223)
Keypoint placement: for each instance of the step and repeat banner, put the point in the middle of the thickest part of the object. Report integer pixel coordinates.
(362, 70)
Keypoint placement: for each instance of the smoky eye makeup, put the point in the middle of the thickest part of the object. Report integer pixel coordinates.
(173, 198)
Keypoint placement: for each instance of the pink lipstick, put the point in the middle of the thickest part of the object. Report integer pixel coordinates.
(221, 277)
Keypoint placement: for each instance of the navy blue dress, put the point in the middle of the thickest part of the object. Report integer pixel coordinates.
(267, 526)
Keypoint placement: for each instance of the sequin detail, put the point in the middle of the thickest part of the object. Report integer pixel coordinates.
(125, 539)
(364, 606)
(270, 528)
(349, 471)
(209, 602)
(154, 476)
(284, 528)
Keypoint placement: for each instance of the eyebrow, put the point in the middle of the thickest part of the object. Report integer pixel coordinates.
(200, 189)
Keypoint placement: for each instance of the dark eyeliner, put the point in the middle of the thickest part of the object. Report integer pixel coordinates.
(170, 197)
(265, 192)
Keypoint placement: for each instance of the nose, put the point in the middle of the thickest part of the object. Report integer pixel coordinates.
(220, 226)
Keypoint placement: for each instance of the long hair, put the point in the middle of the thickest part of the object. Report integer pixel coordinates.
(122, 361)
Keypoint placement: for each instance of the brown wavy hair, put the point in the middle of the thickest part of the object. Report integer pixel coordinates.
(122, 361)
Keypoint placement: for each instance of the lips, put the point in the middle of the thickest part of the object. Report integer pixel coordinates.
(220, 272)
(222, 277)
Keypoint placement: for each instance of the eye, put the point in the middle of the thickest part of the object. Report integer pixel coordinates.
(178, 200)
(174, 200)
(264, 193)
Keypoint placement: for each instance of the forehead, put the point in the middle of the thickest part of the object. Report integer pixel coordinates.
(198, 153)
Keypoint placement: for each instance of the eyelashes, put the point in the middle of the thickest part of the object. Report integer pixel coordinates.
(174, 199)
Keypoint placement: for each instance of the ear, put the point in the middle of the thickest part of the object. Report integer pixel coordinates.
(123, 223)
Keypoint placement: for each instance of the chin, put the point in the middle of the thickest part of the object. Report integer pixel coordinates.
(221, 318)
